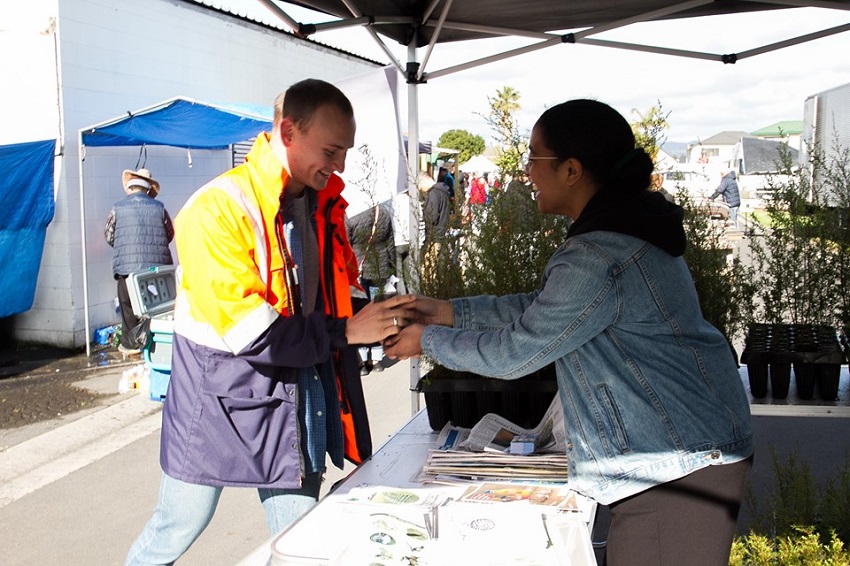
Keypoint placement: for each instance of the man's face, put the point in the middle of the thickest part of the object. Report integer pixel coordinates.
(318, 149)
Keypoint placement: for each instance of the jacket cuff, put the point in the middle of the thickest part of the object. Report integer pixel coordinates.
(336, 330)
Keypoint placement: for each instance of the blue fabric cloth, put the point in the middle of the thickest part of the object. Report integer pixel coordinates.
(26, 208)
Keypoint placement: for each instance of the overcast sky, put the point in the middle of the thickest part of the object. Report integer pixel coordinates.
(703, 97)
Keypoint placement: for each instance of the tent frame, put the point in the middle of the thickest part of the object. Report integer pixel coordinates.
(415, 72)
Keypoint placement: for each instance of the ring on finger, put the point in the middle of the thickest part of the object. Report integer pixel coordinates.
(395, 321)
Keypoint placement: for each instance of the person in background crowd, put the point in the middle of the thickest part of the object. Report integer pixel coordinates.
(437, 210)
(262, 327)
(657, 420)
(139, 230)
(477, 190)
(449, 181)
(371, 236)
(728, 188)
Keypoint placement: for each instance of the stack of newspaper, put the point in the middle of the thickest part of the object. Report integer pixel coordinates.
(484, 453)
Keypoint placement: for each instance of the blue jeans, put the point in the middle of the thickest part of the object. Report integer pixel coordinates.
(733, 215)
(184, 510)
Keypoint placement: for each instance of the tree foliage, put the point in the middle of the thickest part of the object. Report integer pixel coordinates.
(503, 121)
(467, 143)
(649, 129)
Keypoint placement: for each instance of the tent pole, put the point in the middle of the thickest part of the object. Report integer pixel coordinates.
(80, 156)
(413, 188)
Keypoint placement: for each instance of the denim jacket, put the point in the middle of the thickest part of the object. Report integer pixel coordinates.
(649, 388)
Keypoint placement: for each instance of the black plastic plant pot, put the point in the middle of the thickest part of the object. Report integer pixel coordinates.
(464, 408)
(439, 409)
(804, 376)
(757, 373)
(827, 378)
(780, 379)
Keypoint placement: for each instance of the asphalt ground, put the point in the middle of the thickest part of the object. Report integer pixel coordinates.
(79, 471)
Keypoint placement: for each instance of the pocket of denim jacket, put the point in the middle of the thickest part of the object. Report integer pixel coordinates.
(615, 421)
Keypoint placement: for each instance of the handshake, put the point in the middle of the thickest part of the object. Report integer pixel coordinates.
(398, 322)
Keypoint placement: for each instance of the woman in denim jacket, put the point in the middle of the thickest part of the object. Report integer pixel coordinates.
(658, 423)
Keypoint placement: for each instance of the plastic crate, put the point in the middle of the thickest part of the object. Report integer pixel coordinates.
(157, 353)
(463, 399)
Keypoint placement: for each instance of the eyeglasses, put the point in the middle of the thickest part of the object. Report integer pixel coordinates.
(528, 160)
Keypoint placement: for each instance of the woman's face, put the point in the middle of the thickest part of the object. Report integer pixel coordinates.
(550, 191)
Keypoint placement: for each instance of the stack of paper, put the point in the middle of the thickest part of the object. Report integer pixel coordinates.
(458, 465)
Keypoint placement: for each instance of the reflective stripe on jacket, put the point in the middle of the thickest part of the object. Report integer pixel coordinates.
(230, 416)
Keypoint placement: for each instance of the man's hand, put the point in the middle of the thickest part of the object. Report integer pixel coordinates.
(405, 344)
(379, 320)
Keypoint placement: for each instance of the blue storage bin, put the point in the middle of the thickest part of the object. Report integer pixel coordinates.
(159, 384)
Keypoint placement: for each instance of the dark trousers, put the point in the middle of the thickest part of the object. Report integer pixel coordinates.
(129, 320)
(688, 521)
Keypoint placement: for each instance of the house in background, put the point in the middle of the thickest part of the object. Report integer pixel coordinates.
(760, 161)
(664, 161)
(789, 132)
(81, 62)
(715, 151)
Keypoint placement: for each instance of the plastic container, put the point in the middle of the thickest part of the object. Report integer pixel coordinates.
(813, 350)
(159, 384)
(463, 398)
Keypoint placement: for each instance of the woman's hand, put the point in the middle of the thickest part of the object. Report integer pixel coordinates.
(379, 320)
(405, 344)
(432, 311)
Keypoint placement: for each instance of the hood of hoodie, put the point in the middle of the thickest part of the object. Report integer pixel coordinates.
(646, 215)
(731, 175)
(441, 186)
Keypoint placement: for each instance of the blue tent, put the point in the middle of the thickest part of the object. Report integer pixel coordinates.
(26, 208)
(182, 122)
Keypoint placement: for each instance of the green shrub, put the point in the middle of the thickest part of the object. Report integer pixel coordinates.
(796, 523)
(801, 548)
(725, 289)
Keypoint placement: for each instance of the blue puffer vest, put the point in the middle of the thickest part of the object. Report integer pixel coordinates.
(141, 240)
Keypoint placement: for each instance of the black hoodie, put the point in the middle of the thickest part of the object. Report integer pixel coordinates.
(644, 214)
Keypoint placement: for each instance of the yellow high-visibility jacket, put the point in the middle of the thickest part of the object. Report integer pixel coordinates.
(230, 414)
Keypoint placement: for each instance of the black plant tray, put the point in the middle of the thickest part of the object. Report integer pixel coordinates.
(771, 350)
(463, 398)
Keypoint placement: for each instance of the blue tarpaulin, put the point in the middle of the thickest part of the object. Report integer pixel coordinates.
(181, 122)
(26, 208)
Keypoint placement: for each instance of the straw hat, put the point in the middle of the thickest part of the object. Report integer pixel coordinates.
(140, 179)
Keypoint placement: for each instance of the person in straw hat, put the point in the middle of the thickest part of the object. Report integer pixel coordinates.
(139, 230)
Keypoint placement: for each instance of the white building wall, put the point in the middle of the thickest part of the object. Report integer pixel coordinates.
(124, 55)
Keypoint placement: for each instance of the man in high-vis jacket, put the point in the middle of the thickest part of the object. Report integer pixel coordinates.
(263, 381)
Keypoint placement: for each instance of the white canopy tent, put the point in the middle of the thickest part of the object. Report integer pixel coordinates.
(545, 23)
(479, 164)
